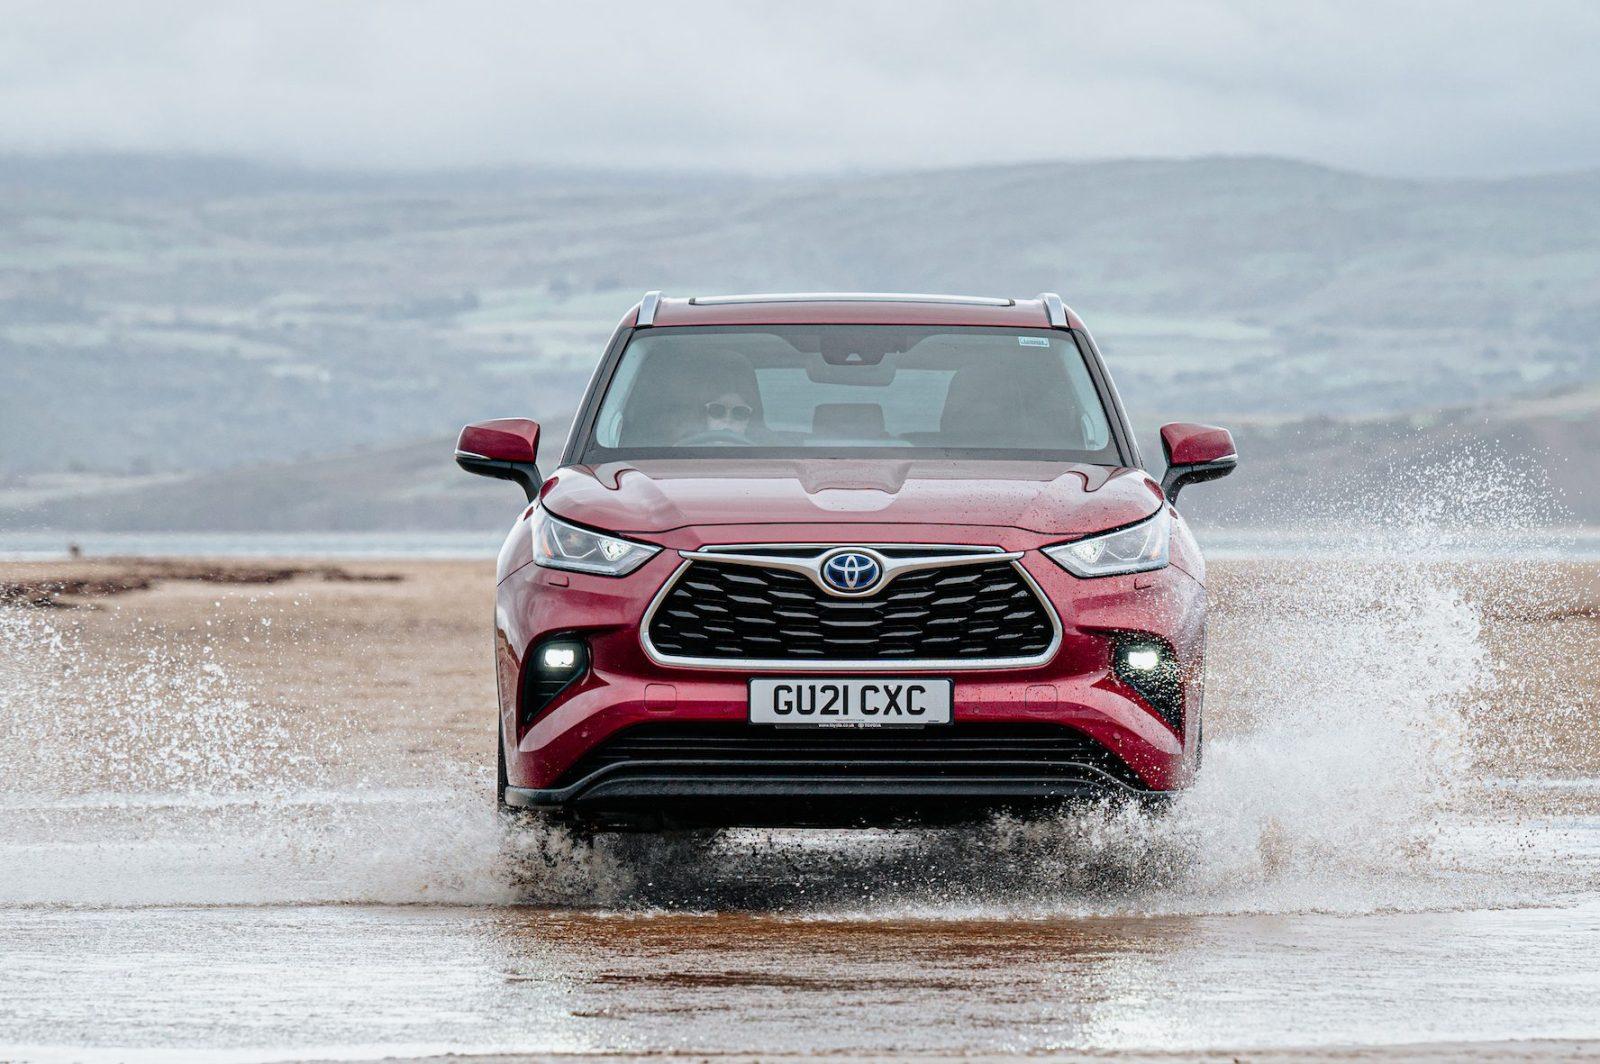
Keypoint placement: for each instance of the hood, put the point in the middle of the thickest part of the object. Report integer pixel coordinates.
(658, 496)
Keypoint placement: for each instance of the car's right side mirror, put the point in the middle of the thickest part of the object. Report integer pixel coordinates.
(506, 448)
(1195, 453)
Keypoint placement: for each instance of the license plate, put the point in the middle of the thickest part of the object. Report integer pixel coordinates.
(885, 703)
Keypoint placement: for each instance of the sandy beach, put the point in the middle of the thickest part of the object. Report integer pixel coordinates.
(403, 646)
(247, 801)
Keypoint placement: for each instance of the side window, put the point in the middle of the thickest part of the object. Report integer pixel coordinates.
(608, 426)
(1093, 430)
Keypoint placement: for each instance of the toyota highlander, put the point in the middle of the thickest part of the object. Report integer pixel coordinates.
(845, 559)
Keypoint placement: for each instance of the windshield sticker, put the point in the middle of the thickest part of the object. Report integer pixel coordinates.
(1033, 341)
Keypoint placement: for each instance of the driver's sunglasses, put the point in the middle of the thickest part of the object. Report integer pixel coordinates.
(724, 412)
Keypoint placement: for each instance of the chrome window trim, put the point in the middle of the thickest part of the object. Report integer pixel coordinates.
(960, 555)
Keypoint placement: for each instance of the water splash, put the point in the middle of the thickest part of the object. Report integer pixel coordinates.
(1344, 779)
(171, 781)
(1349, 704)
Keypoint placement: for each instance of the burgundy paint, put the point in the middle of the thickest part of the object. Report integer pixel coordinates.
(606, 611)
(1017, 506)
(1188, 444)
(1045, 497)
(506, 439)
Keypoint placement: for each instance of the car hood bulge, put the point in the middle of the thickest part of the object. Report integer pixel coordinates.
(659, 496)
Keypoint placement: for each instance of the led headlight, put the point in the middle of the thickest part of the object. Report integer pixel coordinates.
(558, 545)
(1134, 549)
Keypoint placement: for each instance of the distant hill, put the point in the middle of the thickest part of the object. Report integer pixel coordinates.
(1530, 461)
(170, 315)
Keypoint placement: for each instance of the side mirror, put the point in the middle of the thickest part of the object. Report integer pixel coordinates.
(1195, 453)
(505, 448)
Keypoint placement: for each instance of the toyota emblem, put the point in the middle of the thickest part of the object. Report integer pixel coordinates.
(851, 572)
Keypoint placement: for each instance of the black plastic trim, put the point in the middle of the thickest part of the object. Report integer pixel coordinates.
(1163, 691)
(762, 795)
(532, 700)
(524, 474)
(1178, 477)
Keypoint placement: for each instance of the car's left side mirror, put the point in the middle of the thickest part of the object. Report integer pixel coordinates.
(506, 448)
(1195, 453)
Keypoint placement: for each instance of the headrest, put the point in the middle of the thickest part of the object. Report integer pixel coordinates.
(980, 399)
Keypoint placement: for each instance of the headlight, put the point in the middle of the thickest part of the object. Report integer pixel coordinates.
(558, 545)
(1128, 550)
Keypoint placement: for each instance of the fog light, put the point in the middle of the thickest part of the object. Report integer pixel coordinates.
(559, 657)
(1151, 669)
(555, 665)
(1142, 659)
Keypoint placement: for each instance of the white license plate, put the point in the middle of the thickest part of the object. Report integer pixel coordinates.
(876, 703)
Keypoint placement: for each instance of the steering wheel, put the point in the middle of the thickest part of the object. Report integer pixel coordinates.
(725, 437)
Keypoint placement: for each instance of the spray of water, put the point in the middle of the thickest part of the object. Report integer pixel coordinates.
(174, 782)
(1330, 790)
(1343, 770)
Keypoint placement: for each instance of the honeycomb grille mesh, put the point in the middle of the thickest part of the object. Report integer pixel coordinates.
(979, 611)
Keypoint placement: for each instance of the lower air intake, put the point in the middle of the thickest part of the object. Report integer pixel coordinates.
(961, 751)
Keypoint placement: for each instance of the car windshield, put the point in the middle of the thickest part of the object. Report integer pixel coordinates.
(813, 391)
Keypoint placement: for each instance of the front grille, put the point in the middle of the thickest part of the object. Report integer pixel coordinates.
(984, 610)
(957, 751)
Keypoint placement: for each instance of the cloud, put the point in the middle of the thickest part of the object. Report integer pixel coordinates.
(1422, 88)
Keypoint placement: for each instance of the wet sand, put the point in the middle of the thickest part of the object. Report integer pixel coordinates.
(249, 820)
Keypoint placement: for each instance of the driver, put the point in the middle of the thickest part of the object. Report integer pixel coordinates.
(729, 412)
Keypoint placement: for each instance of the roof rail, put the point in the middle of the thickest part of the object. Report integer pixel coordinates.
(850, 297)
(1055, 310)
(647, 310)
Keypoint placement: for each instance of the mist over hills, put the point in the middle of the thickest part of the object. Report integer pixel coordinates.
(1534, 458)
(174, 317)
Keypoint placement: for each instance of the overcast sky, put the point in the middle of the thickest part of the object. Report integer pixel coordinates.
(1479, 89)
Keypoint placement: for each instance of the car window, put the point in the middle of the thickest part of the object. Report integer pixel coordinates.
(798, 390)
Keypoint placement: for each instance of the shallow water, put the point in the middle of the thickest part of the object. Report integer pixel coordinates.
(186, 869)
(365, 980)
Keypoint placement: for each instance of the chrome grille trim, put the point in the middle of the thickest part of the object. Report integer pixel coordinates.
(892, 566)
(750, 555)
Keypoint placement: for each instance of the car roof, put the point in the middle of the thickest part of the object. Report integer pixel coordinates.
(853, 308)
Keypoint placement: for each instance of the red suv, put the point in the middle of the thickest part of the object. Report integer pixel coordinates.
(845, 559)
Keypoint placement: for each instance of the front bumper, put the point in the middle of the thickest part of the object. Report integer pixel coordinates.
(1074, 692)
(753, 798)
